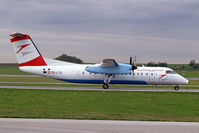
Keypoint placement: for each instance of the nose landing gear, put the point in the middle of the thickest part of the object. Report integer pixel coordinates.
(176, 87)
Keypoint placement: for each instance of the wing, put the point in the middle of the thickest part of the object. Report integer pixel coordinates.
(109, 66)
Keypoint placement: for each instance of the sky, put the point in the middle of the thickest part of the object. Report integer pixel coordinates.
(151, 30)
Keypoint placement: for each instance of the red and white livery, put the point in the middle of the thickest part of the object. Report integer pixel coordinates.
(107, 72)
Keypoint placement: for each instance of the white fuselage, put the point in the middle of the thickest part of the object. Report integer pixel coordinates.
(78, 74)
(108, 71)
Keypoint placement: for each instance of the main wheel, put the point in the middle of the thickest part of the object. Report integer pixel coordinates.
(176, 87)
(105, 86)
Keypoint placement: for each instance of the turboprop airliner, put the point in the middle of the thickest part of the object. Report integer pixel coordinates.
(107, 72)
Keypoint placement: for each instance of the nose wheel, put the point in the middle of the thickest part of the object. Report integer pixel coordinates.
(176, 87)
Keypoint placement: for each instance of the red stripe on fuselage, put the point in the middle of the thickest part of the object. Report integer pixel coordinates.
(39, 61)
(20, 38)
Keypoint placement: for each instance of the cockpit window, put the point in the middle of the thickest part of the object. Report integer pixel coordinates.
(170, 72)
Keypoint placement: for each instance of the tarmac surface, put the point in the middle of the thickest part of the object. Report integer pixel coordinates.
(100, 89)
(10, 125)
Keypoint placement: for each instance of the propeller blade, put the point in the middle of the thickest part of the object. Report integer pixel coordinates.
(134, 60)
(130, 60)
(134, 64)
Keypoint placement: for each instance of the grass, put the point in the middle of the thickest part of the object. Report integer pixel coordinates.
(11, 70)
(182, 67)
(189, 74)
(107, 105)
(194, 82)
(30, 79)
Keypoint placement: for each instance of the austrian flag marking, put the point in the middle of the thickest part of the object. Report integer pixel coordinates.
(22, 47)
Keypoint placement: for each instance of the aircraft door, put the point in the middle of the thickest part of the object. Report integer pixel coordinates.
(152, 77)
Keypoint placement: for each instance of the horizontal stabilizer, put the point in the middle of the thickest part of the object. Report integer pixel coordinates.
(17, 34)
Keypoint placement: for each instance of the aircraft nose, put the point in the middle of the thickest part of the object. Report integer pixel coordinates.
(182, 80)
(186, 81)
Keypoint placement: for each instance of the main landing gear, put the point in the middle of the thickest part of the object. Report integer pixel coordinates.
(105, 86)
(107, 81)
(176, 87)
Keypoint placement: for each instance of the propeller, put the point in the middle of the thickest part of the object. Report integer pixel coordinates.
(133, 63)
(130, 60)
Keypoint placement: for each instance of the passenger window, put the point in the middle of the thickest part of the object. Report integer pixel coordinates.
(147, 74)
(151, 74)
(141, 73)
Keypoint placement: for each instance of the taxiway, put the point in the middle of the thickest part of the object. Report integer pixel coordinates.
(100, 89)
(10, 125)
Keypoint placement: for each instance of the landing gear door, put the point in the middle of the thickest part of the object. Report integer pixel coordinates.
(152, 77)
